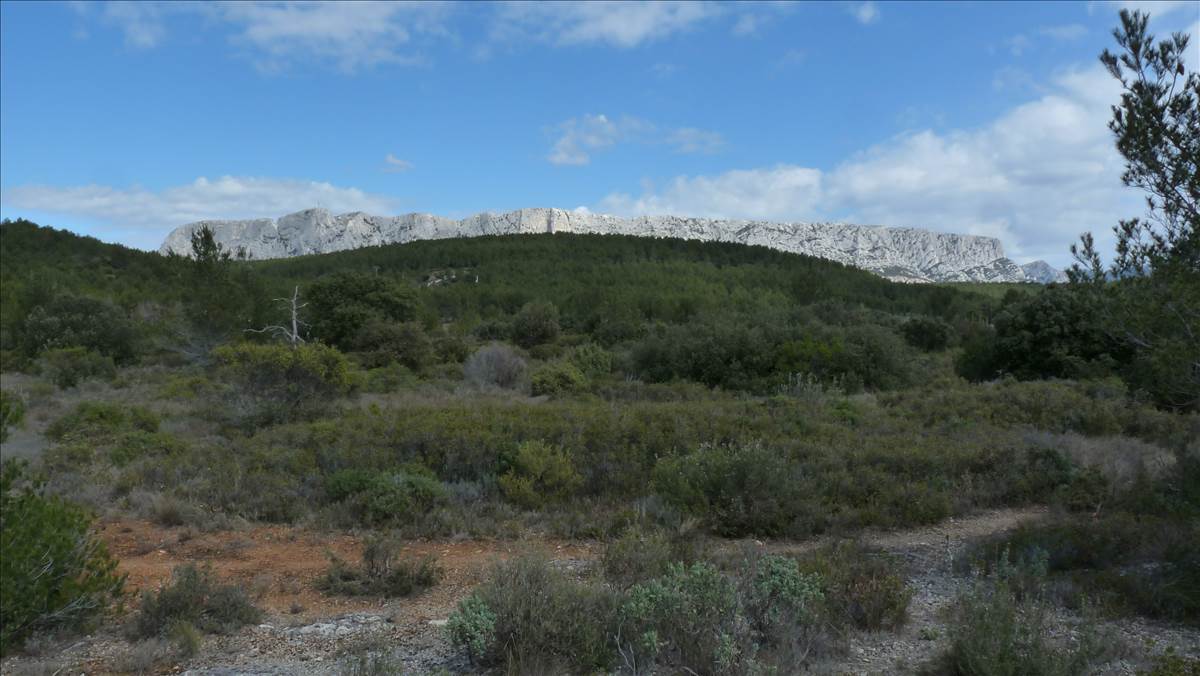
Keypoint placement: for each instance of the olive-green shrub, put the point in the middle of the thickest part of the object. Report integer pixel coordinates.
(557, 377)
(278, 383)
(54, 573)
(540, 474)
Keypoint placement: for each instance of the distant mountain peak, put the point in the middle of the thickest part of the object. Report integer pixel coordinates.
(900, 254)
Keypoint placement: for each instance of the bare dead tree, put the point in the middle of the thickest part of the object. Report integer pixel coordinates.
(291, 335)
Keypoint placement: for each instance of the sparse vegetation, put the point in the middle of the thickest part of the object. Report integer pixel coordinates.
(196, 598)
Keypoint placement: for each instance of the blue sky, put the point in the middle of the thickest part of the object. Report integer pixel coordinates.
(124, 120)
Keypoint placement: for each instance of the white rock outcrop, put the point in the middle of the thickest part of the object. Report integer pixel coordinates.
(900, 254)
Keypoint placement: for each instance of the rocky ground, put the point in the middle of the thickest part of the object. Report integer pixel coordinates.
(306, 632)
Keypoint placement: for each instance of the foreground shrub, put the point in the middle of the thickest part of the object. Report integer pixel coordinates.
(689, 618)
(558, 377)
(1130, 563)
(495, 365)
(530, 615)
(382, 572)
(540, 474)
(69, 366)
(640, 555)
(12, 412)
(194, 596)
(862, 588)
(53, 572)
(994, 633)
(278, 383)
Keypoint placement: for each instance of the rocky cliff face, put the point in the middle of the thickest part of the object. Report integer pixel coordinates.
(900, 254)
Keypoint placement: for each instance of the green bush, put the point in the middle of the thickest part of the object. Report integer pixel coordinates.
(194, 596)
(539, 474)
(53, 572)
(341, 304)
(79, 322)
(278, 383)
(530, 615)
(994, 633)
(738, 490)
(382, 572)
(535, 324)
(640, 555)
(497, 365)
(472, 626)
(690, 618)
(380, 498)
(69, 366)
(404, 343)
(557, 377)
(592, 360)
(862, 588)
(927, 333)
(12, 412)
(97, 421)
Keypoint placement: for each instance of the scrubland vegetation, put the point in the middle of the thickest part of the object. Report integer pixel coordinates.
(659, 396)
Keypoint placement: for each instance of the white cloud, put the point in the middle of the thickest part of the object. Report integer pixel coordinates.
(579, 137)
(396, 165)
(746, 25)
(582, 135)
(349, 34)
(865, 12)
(689, 140)
(1036, 177)
(1072, 31)
(782, 192)
(154, 213)
(141, 22)
(618, 24)
(276, 35)
(1017, 44)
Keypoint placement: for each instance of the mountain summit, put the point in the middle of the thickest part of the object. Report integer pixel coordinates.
(899, 254)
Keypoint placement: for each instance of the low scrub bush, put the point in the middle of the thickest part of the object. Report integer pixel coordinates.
(689, 618)
(592, 360)
(54, 573)
(995, 633)
(535, 324)
(93, 420)
(381, 498)
(383, 572)
(194, 596)
(738, 490)
(69, 366)
(495, 365)
(862, 588)
(279, 383)
(12, 412)
(539, 474)
(529, 615)
(639, 555)
(557, 377)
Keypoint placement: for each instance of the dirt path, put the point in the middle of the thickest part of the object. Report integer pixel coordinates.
(306, 632)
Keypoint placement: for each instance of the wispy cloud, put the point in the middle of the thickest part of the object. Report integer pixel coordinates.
(618, 24)
(865, 12)
(158, 211)
(277, 35)
(1035, 176)
(1067, 32)
(580, 137)
(395, 165)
